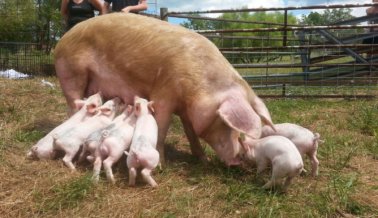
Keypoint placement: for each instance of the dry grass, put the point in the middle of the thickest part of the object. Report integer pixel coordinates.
(347, 184)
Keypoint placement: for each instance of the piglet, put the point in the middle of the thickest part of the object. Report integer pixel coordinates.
(86, 109)
(113, 143)
(277, 151)
(93, 141)
(143, 153)
(305, 141)
(71, 140)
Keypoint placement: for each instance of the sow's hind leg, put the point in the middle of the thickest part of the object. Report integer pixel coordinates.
(73, 81)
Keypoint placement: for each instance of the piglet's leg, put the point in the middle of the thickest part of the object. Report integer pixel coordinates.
(67, 159)
(314, 164)
(82, 154)
(287, 182)
(108, 163)
(132, 176)
(146, 174)
(96, 169)
(271, 183)
(261, 165)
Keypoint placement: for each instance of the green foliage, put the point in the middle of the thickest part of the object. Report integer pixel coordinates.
(253, 21)
(49, 25)
(17, 21)
(327, 17)
(365, 118)
(31, 21)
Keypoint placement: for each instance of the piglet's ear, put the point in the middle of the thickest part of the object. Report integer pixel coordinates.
(91, 108)
(105, 110)
(137, 108)
(79, 104)
(150, 106)
(129, 109)
(238, 114)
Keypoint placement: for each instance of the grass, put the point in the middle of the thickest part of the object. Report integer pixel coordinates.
(347, 183)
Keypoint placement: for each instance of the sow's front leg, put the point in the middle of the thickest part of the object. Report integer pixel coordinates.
(195, 145)
(163, 120)
(73, 81)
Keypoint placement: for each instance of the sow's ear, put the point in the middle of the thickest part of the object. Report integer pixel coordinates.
(239, 115)
(260, 108)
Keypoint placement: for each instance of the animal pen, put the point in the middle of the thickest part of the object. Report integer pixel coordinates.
(296, 61)
(311, 61)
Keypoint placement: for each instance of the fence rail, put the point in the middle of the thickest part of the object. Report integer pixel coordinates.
(309, 61)
(279, 59)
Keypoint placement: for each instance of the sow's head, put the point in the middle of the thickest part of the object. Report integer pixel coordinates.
(235, 116)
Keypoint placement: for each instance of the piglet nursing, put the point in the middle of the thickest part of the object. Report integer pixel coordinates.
(305, 141)
(114, 142)
(143, 154)
(87, 108)
(93, 141)
(277, 151)
(71, 139)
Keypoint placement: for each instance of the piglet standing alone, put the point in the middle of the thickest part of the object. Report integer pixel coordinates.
(86, 109)
(113, 143)
(277, 151)
(71, 140)
(305, 141)
(143, 154)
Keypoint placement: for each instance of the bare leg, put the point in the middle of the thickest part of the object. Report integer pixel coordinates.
(287, 183)
(82, 154)
(108, 163)
(96, 169)
(315, 164)
(90, 158)
(163, 120)
(261, 166)
(195, 145)
(132, 176)
(271, 183)
(146, 174)
(73, 84)
(67, 159)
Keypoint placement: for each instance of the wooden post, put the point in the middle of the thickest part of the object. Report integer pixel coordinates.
(284, 43)
(164, 14)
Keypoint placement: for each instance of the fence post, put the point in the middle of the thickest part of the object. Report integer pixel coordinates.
(284, 90)
(164, 14)
(285, 30)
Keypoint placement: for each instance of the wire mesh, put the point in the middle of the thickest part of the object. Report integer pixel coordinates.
(279, 59)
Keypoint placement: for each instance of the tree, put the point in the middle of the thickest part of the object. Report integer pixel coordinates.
(244, 39)
(327, 17)
(36, 21)
(17, 20)
(49, 26)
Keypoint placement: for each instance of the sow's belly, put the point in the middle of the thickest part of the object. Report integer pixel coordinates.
(111, 87)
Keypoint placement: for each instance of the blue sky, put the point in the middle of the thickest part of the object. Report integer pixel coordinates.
(201, 5)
